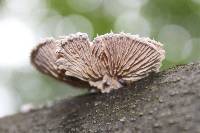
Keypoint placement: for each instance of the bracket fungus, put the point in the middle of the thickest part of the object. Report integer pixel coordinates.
(108, 62)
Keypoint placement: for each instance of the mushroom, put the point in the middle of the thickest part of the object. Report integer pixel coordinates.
(109, 62)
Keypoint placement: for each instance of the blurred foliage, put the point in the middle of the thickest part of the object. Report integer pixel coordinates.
(185, 13)
(181, 12)
(100, 21)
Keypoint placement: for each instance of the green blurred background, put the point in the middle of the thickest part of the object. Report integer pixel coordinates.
(175, 23)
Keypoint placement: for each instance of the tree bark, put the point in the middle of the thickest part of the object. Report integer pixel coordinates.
(166, 102)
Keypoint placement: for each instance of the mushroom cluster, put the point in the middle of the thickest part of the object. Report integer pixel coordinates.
(108, 62)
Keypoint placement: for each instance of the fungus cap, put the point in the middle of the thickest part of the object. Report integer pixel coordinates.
(108, 62)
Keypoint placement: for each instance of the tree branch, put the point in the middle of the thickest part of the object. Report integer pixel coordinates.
(165, 102)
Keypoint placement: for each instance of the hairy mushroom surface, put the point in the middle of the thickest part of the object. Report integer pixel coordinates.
(108, 62)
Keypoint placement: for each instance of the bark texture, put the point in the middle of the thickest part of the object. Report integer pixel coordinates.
(167, 102)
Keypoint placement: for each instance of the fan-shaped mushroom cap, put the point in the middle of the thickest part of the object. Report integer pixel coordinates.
(104, 63)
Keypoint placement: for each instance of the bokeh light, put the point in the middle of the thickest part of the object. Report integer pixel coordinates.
(113, 8)
(174, 38)
(134, 4)
(73, 24)
(17, 39)
(132, 23)
(196, 1)
(195, 54)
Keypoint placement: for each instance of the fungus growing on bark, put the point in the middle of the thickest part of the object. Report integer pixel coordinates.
(108, 62)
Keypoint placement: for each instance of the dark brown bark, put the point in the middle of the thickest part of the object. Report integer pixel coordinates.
(167, 102)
